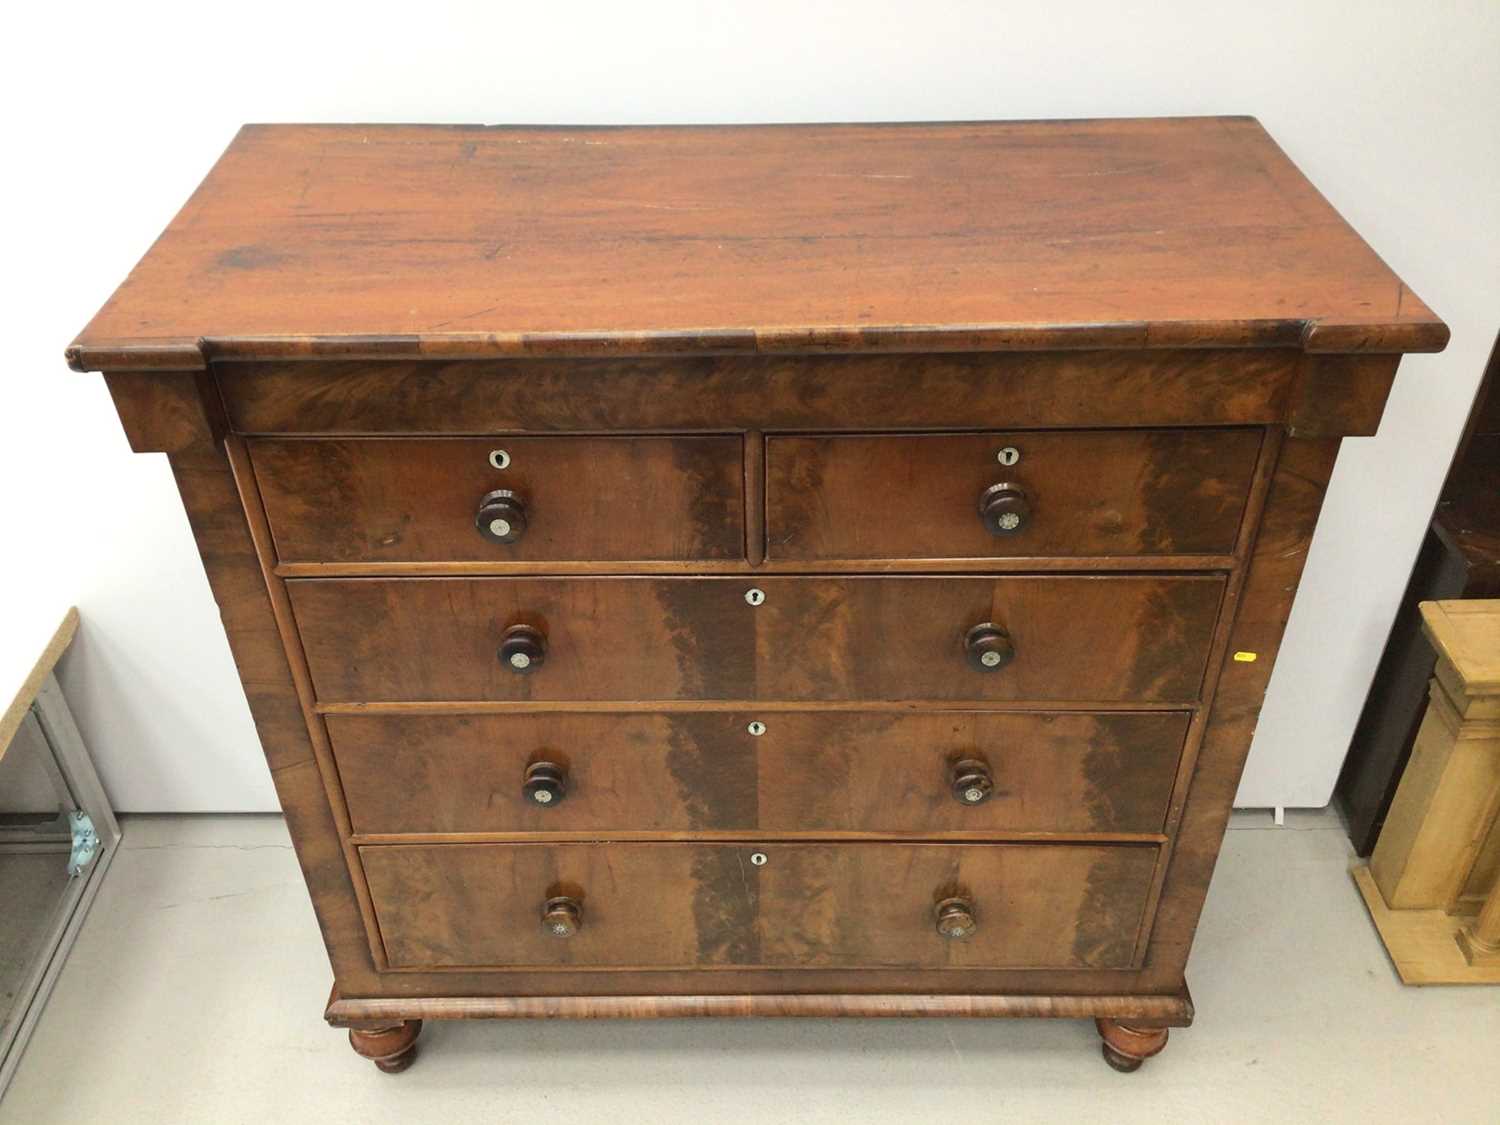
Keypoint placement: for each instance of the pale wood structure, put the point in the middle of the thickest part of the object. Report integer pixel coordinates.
(1430, 884)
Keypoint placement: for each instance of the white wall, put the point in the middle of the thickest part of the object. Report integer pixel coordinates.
(117, 110)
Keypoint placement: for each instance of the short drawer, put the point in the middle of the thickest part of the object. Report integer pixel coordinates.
(798, 771)
(585, 499)
(1000, 495)
(1096, 638)
(667, 905)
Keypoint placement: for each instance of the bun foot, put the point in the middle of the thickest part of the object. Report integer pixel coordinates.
(392, 1049)
(1127, 1047)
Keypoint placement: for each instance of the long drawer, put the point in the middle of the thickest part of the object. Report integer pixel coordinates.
(590, 499)
(667, 905)
(1000, 495)
(797, 771)
(1098, 638)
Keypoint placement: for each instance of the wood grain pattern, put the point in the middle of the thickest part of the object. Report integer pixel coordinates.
(1174, 1010)
(1481, 939)
(218, 522)
(1259, 619)
(809, 392)
(1459, 558)
(1056, 773)
(207, 486)
(1127, 1046)
(1129, 492)
(819, 327)
(1424, 945)
(1449, 797)
(600, 499)
(392, 1049)
(1341, 395)
(1484, 876)
(488, 241)
(1466, 634)
(1260, 491)
(807, 906)
(166, 413)
(260, 537)
(1025, 564)
(1077, 638)
(499, 982)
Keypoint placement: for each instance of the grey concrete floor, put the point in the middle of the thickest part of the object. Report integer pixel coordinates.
(195, 990)
(32, 885)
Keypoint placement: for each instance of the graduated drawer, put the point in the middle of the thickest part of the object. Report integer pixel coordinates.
(1087, 493)
(798, 771)
(670, 905)
(588, 499)
(1100, 638)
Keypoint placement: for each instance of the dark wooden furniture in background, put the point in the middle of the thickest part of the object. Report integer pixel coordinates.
(826, 570)
(1459, 558)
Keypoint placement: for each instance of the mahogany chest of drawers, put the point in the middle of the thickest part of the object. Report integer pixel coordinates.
(755, 571)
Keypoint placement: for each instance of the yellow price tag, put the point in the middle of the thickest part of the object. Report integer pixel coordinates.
(1245, 657)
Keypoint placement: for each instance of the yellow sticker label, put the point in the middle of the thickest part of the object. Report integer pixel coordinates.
(1245, 657)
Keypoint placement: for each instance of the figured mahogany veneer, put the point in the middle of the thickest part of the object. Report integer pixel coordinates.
(1122, 492)
(826, 570)
(565, 241)
(811, 639)
(790, 906)
(1201, 386)
(594, 499)
(807, 772)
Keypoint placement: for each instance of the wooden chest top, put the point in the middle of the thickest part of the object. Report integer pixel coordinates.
(757, 570)
(467, 241)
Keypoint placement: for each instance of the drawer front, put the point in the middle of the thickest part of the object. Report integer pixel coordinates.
(805, 906)
(589, 499)
(1154, 387)
(1048, 772)
(1100, 638)
(1096, 493)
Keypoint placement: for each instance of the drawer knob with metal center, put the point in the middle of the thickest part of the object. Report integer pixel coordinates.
(1004, 509)
(545, 784)
(971, 781)
(989, 647)
(783, 546)
(501, 517)
(562, 917)
(955, 918)
(523, 649)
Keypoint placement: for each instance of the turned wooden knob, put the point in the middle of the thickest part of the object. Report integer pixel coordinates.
(971, 781)
(1004, 509)
(545, 784)
(562, 917)
(523, 649)
(955, 918)
(501, 517)
(989, 647)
